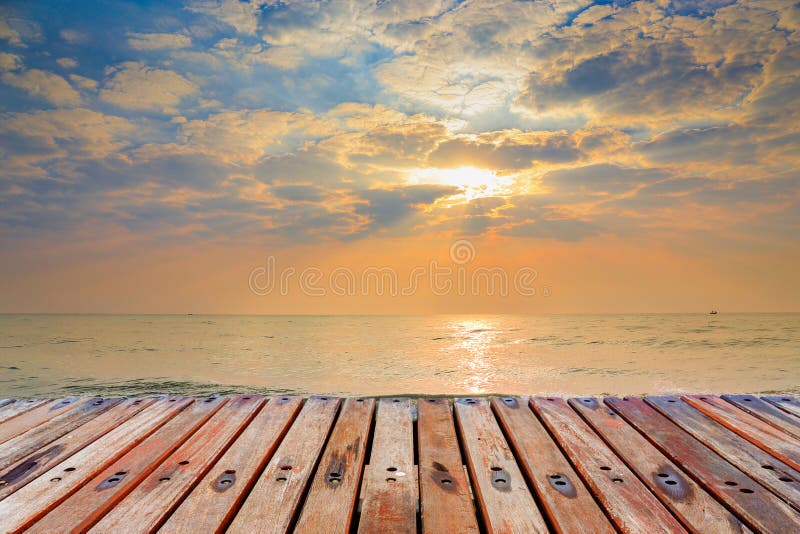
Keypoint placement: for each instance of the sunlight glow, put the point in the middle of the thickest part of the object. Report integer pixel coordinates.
(474, 182)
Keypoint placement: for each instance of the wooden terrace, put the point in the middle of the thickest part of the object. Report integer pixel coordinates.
(247, 463)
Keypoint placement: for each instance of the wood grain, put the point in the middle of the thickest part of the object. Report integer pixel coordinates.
(35, 499)
(767, 412)
(35, 438)
(16, 407)
(18, 474)
(506, 504)
(274, 501)
(445, 498)
(566, 501)
(762, 434)
(97, 495)
(758, 464)
(332, 496)
(35, 417)
(786, 403)
(756, 506)
(213, 502)
(149, 504)
(390, 480)
(626, 500)
(696, 509)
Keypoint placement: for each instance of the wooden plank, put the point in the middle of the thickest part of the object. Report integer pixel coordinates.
(212, 503)
(83, 508)
(36, 498)
(445, 498)
(35, 417)
(786, 403)
(390, 480)
(567, 503)
(151, 502)
(506, 504)
(38, 437)
(29, 467)
(759, 465)
(777, 443)
(333, 492)
(19, 406)
(627, 501)
(274, 501)
(696, 509)
(757, 507)
(766, 412)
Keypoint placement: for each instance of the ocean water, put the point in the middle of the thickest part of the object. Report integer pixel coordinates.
(52, 355)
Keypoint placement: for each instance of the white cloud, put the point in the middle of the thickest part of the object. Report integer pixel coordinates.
(134, 85)
(241, 15)
(158, 41)
(67, 62)
(47, 85)
(83, 82)
(246, 136)
(73, 36)
(9, 61)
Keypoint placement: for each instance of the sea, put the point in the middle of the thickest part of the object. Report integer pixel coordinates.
(131, 355)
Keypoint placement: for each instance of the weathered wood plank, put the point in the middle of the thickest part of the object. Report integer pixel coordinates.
(505, 502)
(331, 498)
(83, 508)
(767, 412)
(777, 443)
(274, 501)
(445, 498)
(35, 417)
(38, 437)
(35, 499)
(756, 506)
(786, 403)
(19, 406)
(758, 464)
(565, 499)
(696, 509)
(27, 468)
(628, 502)
(151, 502)
(211, 504)
(390, 480)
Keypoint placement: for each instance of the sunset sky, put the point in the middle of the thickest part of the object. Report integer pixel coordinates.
(638, 156)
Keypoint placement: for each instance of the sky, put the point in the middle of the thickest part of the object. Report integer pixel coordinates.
(427, 156)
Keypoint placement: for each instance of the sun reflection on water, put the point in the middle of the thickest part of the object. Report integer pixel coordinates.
(476, 337)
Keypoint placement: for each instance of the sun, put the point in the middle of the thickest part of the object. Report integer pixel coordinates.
(474, 182)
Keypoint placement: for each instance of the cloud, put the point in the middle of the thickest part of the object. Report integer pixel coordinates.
(73, 133)
(83, 82)
(506, 150)
(559, 229)
(73, 36)
(9, 61)
(599, 179)
(44, 84)
(18, 30)
(135, 86)
(158, 41)
(248, 135)
(67, 62)
(299, 193)
(243, 16)
(385, 208)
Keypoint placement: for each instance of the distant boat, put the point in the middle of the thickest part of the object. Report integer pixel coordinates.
(712, 312)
